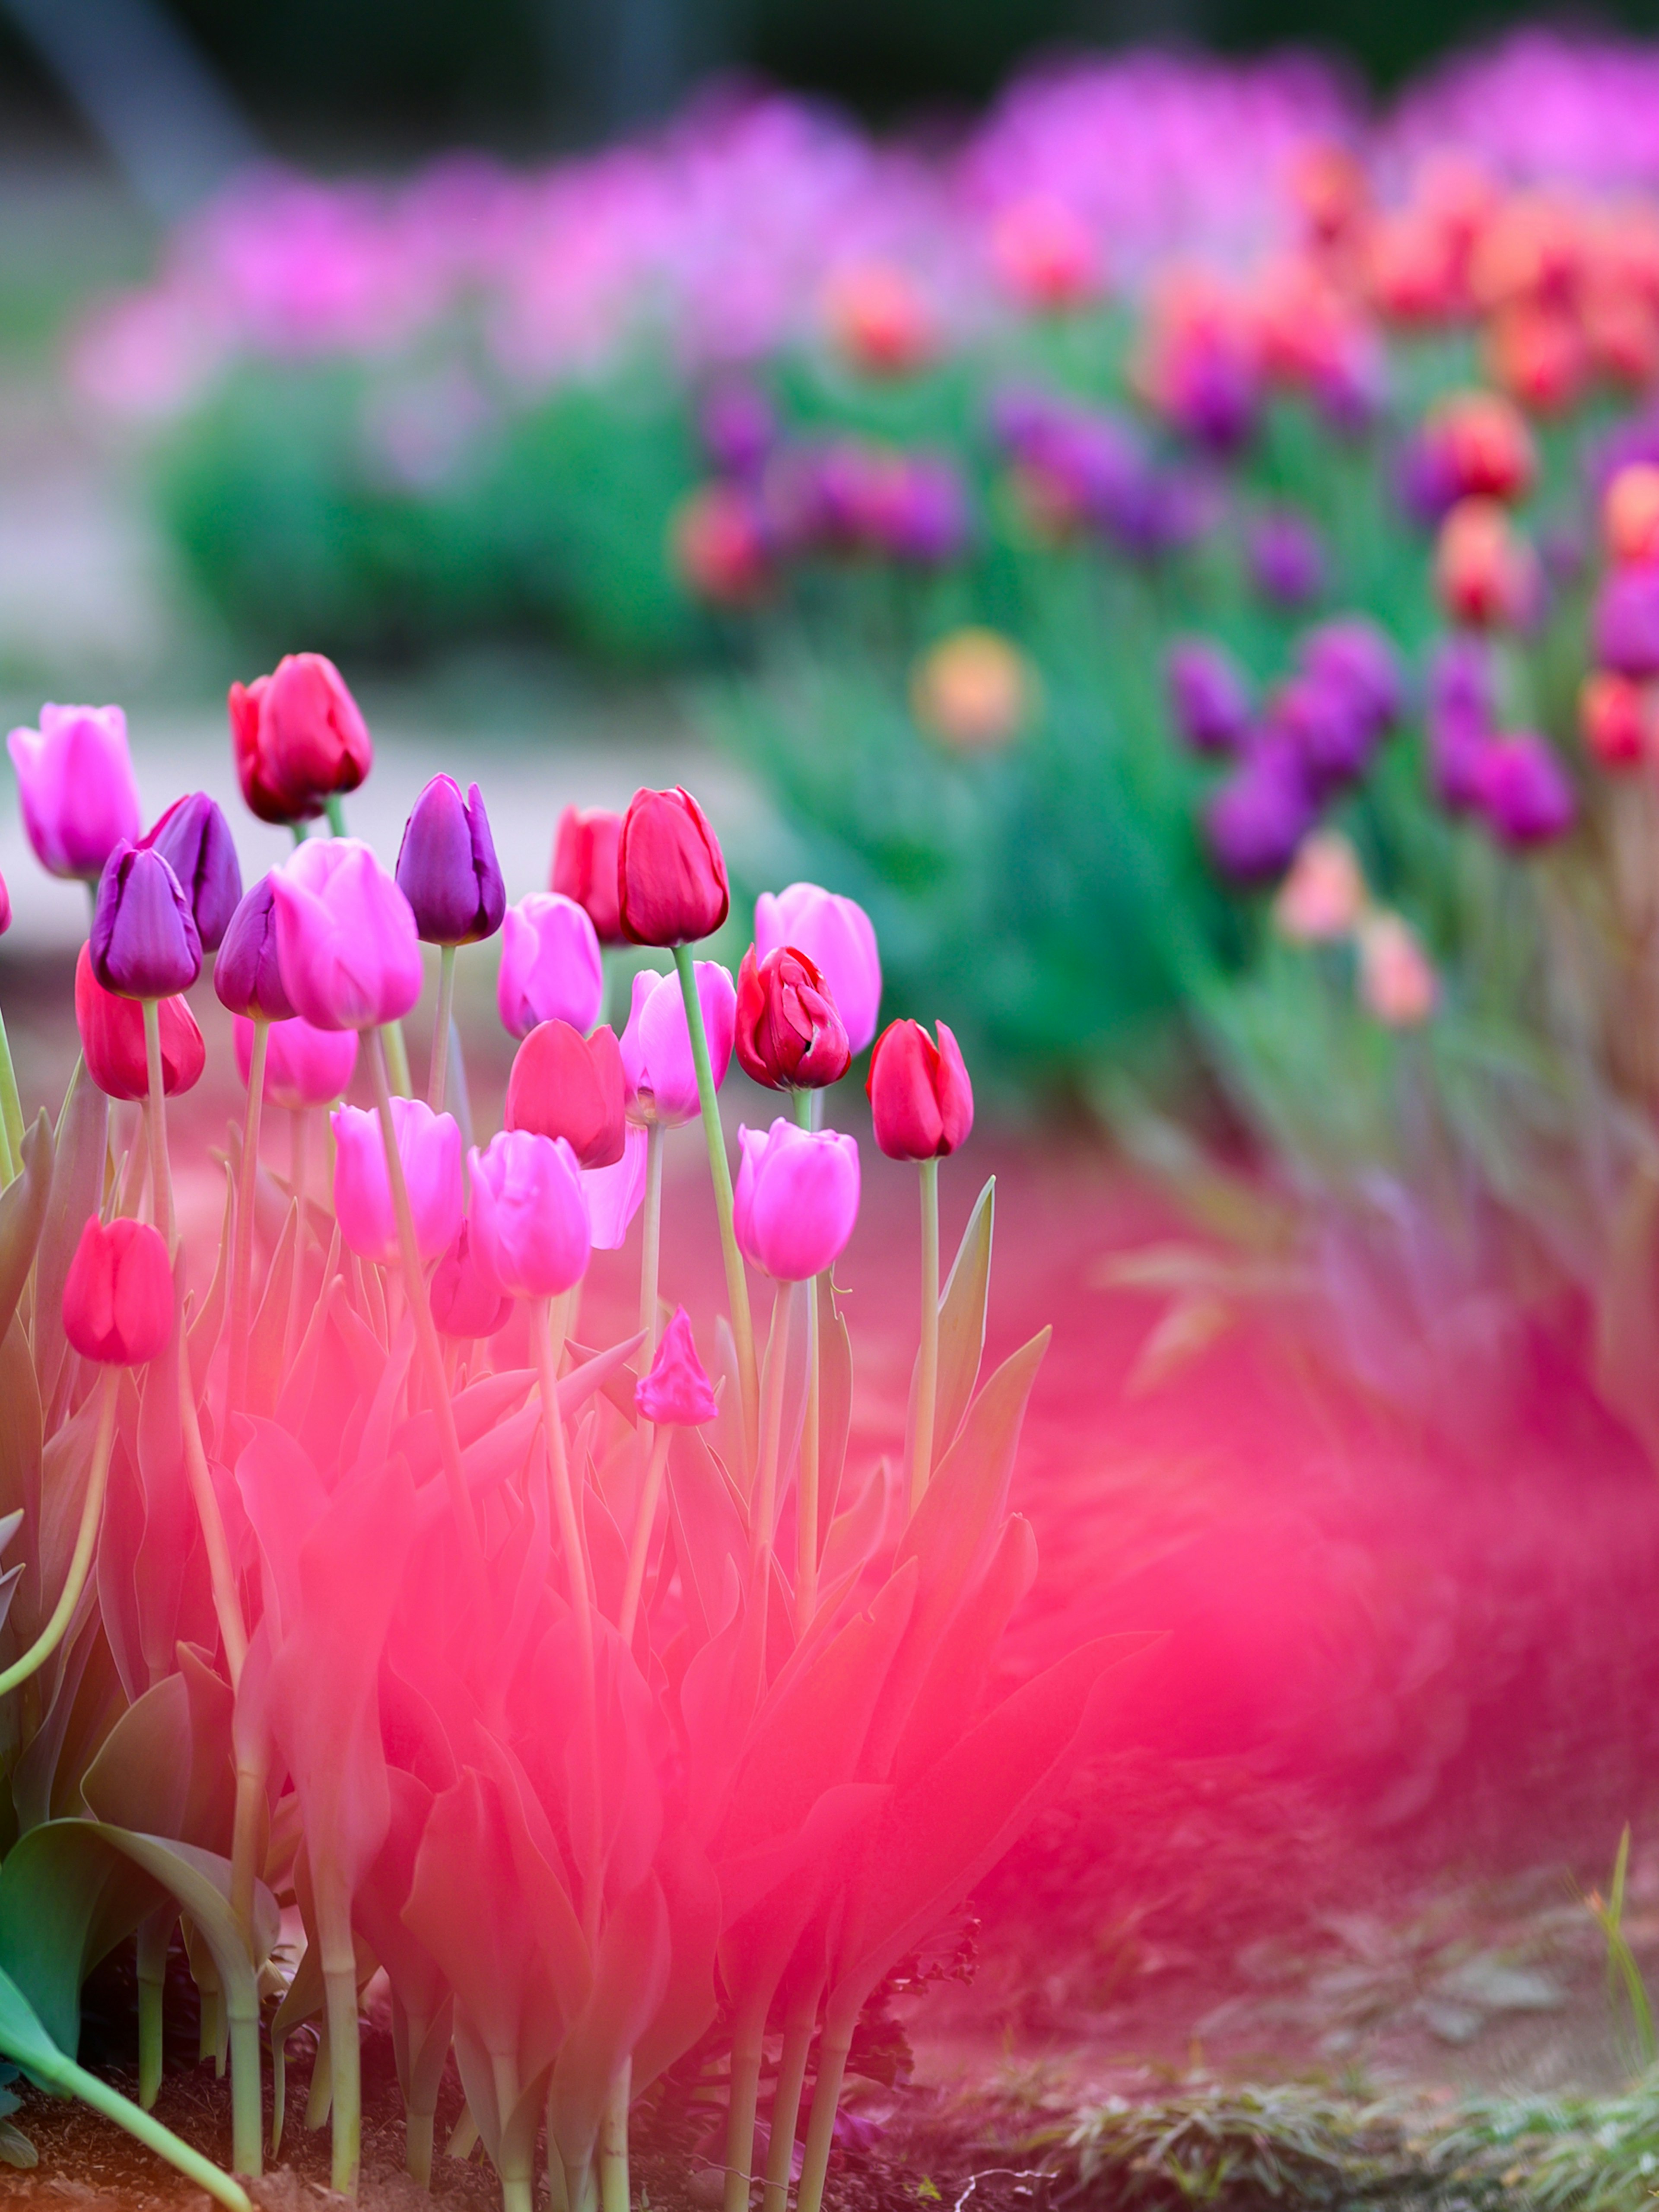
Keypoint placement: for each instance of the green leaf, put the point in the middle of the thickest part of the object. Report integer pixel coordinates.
(140, 1778)
(17, 2149)
(962, 1321)
(22, 1215)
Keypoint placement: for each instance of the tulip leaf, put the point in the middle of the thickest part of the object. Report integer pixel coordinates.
(834, 1402)
(20, 1424)
(78, 1192)
(264, 1357)
(140, 1778)
(205, 1330)
(22, 1216)
(962, 1321)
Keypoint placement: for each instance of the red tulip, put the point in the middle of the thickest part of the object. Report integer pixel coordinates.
(112, 1038)
(789, 1035)
(118, 1295)
(920, 1099)
(585, 866)
(1613, 717)
(565, 1084)
(670, 874)
(299, 739)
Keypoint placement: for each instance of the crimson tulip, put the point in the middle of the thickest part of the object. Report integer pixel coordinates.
(299, 739)
(585, 866)
(565, 1084)
(921, 1100)
(670, 873)
(113, 1039)
(118, 1295)
(838, 937)
(789, 1034)
(464, 1301)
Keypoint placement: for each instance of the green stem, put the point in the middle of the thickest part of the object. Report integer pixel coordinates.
(334, 806)
(806, 1492)
(397, 1059)
(766, 1486)
(922, 1458)
(11, 1106)
(247, 2098)
(719, 1168)
(820, 2133)
(644, 1522)
(247, 1838)
(221, 1573)
(77, 2082)
(299, 1127)
(161, 1168)
(748, 2032)
(241, 1284)
(418, 2131)
(651, 1241)
(345, 2057)
(800, 2023)
(85, 1537)
(437, 1074)
(155, 1936)
(613, 2143)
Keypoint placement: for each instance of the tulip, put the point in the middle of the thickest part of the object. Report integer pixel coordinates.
(346, 941)
(920, 1099)
(1613, 718)
(75, 778)
(719, 544)
(585, 866)
(1626, 623)
(670, 874)
(974, 690)
(118, 1295)
(797, 1198)
(1630, 512)
(246, 976)
(614, 1193)
(194, 839)
(878, 318)
(304, 1065)
(1323, 897)
(660, 1081)
(1284, 558)
(1209, 697)
(447, 866)
(429, 1148)
(1396, 980)
(463, 1304)
(5, 907)
(1045, 253)
(551, 967)
(1352, 658)
(676, 1393)
(564, 1084)
(1481, 442)
(1523, 790)
(789, 1036)
(298, 738)
(837, 936)
(1485, 574)
(112, 1038)
(1253, 822)
(144, 943)
(530, 1226)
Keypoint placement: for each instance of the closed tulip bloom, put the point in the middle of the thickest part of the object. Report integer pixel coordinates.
(430, 1147)
(1613, 715)
(1209, 695)
(1396, 979)
(565, 1084)
(304, 1067)
(346, 941)
(839, 938)
(447, 865)
(5, 907)
(465, 1303)
(1630, 512)
(585, 866)
(144, 943)
(75, 780)
(551, 969)
(247, 976)
(670, 872)
(1524, 792)
(113, 1039)
(118, 1295)
(298, 738)
(659, 1082)
(194, 839)
(921, 1100)
(615, 1194)
(530, 1226)
(797, 1198)
(677, 1394)
(789, 1036)
(1625, 620)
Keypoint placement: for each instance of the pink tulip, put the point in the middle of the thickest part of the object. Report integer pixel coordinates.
(656, 1047)
(430, 1147)
(676, 1393)
(614, 1193)
(346, 943)
(304, 1065)
(551, 968)
(839, 938)
(797, 1198)
(530, 1227)
(75, 778)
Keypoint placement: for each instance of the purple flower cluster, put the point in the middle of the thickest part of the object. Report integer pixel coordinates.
(1513, 780)
(1089, 468)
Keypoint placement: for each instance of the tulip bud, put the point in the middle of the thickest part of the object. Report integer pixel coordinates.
(1209, 697)
(113, 1039)
(446, 867)
(298, 738)
(565, 1084)
(144, 941)
(796, 1200)
(1323, 896)
(789, 1036)
(194, 839)
(585, 866)
(530, 1227)
(551, 968)
(660, 1082)
(718, 545)
(1630, 512)
(1486, 575)
(878, 318)
(118, 1295)
(346, 941)
(1396, 980)
(1484, 446)
(1352, 658)
(79, 795)
(670, 874)
(615, 1194)
(1253, 822)
(430, 1147)
(1625, 625)
(1613, 718)
(304, 1067)
(1523, 790)
(464, 1302)
(837, 936)
(1284, 558)
(246, 976)
(921, 1100)
(1045, 253)
(677, 1394)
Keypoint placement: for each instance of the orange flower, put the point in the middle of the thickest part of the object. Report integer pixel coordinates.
(974, 689)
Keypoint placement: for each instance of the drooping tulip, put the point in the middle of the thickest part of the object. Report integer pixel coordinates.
(789, 1035)
(430, 1147)
(248, 977)
(670, 873)
(551, 968)
(676, 1393)
(660, 1082)
(921, 1100)
(565, 1084)
(530, 1227)
(194, 839)
(447, 865)
(346, 941)
(585, 866)
(299, 739)
(465, 1303)
(112, 1038)
(144, 943)
(118, 1295)
(614, 1193)
(838, 937)
(796, 1200)
(79, 794)
(304, 1065)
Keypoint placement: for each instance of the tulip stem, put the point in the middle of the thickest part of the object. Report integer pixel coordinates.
(719, 1168)
(86, 1536)
(222, 1574)
(438, 1073)
(334, 806)
(645, 1521)
(160, 1169)
(763, 1506)
(396, 1060)
(420, 1306)
(299, 1129)
(806, 1491)
(242, 1282)
(921, 1460)
(651, 1244)
(11, 1106)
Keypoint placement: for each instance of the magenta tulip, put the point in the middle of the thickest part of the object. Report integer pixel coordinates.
(463, 1304)
(839, 938)
(661, 1081)
(346, 941)
(676, 1393)
(797, 1198)
(430, 1147)
(551, 968)
(75, 778)
(614, 1193)
(530, 1226)
(304, 1065)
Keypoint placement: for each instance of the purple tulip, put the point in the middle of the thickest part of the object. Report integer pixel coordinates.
(144, 943)
(447, 866)
(346, 941)
(1352, 657)
(738, 428)
(246, 976)
(797, 1198)
(838, 937)
(552, 970)
(80, 796)
(1459, 714)
(194, 839)
(1333, 738)
(1255, 820)
(1524, 791)
(1626, 622)
(1209, 695)
(1286, 560)
(530, 1227)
